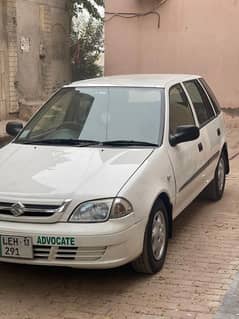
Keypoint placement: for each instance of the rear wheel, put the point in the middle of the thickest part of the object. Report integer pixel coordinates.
(215, 189)
(155, 242)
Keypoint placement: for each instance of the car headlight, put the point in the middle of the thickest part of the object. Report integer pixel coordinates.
(101, 210)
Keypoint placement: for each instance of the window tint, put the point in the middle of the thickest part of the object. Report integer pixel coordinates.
(100, 113)
(134, 114)
(200, 101)
(57, 113)
(69, 114)
(180, 112)
(212, 96)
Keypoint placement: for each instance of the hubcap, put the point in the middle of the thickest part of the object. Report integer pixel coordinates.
(221, 174)
(158, 235)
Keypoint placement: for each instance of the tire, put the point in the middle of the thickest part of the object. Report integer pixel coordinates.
(154, 251)
(215, 189)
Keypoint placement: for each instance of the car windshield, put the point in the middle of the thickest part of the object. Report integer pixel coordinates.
(94, 115)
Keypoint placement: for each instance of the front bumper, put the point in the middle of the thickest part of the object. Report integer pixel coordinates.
(96, 246)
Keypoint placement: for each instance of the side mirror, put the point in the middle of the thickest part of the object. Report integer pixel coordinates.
(184, 133)
(13, 128)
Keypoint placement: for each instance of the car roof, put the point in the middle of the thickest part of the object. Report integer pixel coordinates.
(136, 80)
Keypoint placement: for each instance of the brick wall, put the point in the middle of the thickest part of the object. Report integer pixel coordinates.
(8, 59)
(35, 53)
(12, 55)
(3, 68)
(46, 26)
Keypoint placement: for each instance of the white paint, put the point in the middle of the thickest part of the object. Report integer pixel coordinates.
(51, 174)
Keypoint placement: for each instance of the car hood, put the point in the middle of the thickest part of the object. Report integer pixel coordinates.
(28, 171)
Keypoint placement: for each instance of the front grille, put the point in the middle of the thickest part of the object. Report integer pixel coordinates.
(61, 253)
(30, 210)
(66, 253)
(41, 252)
(28, 213)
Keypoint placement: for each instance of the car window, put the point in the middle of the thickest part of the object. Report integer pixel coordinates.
(201, 103)
(69, 114)
(134, 113)
(100, 113)
(180, 112)
(212, 96)
(57, 113)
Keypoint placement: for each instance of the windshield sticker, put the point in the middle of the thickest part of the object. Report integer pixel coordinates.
(144, 96)
(86, 90)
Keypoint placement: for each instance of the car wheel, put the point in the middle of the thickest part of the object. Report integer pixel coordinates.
(215, 189)
(155, 242)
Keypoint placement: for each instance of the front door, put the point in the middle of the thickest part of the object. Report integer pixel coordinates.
(188, 157)
(210, 126)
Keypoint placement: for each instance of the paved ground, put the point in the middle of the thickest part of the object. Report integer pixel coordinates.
(230, 306)
(199, 277)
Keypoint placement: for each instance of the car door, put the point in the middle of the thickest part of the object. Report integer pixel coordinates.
(210, 127)
(186, 158)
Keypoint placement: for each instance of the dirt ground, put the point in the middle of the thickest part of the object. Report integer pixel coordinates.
(203, 259)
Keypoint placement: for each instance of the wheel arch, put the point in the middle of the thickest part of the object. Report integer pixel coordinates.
(164, 197)
(225, 153)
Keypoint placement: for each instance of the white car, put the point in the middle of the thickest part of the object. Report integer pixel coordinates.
(97, 176)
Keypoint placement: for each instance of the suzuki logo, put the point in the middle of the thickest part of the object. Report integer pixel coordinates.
(17, 209)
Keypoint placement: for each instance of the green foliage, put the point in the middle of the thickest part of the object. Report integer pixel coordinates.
(87, 50)
(79, 5)
(87, 39)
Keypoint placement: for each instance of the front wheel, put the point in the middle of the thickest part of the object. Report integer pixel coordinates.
(155, 242)
(215, 189)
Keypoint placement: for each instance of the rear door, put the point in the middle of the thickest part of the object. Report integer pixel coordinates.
(210, 126)
(186, 158)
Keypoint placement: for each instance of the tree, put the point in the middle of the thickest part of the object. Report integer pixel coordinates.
(87, 37)
(87, 50)
(89, 5)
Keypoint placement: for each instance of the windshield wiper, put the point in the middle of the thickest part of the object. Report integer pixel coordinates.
(85, 143)
(128, 143)
(70, 142)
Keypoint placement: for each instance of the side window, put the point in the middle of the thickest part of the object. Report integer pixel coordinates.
(202, 104)
(180, 112)
(212, 96)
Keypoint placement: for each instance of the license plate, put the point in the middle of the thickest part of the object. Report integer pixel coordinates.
(16, 247)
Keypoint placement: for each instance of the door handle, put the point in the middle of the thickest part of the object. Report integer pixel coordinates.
(218, 132)
(200, 147)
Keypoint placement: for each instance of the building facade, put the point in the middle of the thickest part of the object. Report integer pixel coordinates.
(34, 53)
(181, 36)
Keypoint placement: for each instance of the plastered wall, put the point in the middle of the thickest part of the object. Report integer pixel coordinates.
(199, 37)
